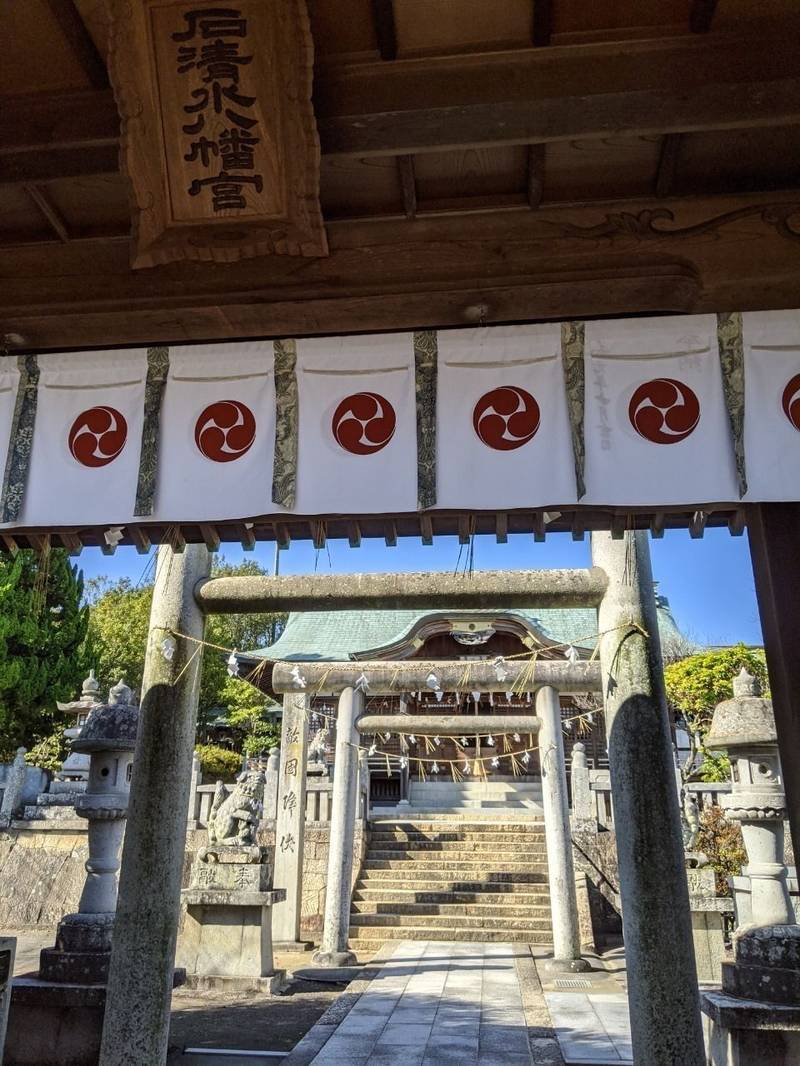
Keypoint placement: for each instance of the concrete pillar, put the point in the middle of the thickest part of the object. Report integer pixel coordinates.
(291, 822)
(333, 950)
(561, 871)
(662, 979)
(136, 1027)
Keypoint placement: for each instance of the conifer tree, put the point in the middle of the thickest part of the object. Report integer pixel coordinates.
(42, 630)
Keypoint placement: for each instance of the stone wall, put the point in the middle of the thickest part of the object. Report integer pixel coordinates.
(42, 872)
(41, 875)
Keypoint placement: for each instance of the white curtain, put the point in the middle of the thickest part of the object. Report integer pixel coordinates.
(657, 429)
(85, 458)
(217, 433)
(357, 425)
(502, 419)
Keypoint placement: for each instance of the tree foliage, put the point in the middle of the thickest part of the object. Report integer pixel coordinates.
(218, 762)
(42, 630)
(118, 637)
(695, 685)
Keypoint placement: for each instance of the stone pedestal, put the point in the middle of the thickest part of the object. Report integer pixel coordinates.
(708, 923)
(755, 1019)
(226, 943)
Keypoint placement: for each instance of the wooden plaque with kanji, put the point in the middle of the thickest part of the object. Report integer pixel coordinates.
(219, 139)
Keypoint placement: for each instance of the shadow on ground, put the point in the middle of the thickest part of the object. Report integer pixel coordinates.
(253, 1023)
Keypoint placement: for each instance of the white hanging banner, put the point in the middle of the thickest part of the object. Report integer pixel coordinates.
(85, 457)
(357, 425)
(502, 419)
(772, 404)
(656, 426)
(217, 433)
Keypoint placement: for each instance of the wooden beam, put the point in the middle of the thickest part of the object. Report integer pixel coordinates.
(354, 534)
(702, 15)
(385, 31)
(535, 185)
(140, 538)
(773, 529)
(210, 537)
(426, 530)
(538, 95)
(667, 164)
(74, 29)
(390, 533)
(319, 536)
(501, 527)
(558, 262)
(408, 184)
(247, 536)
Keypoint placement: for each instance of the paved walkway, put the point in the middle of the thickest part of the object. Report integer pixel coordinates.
(592, 1027)
(443, 1004)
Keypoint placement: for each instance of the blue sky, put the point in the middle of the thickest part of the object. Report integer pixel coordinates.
(708, 582)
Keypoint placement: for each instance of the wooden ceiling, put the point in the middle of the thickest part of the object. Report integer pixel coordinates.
(501, 161)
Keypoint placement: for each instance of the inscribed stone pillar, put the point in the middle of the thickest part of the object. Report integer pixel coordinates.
(333, 951)
(291, 822)
(561, 871)
(662, 979)
(583, 809)
(136, 1027)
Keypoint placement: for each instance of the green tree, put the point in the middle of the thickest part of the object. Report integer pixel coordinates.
(247, 710)
(695, 686)
(118, 625)
(43, 626)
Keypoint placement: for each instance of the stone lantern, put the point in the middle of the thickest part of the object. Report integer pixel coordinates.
(755, 1018)
(745, 728)
(45, 1027)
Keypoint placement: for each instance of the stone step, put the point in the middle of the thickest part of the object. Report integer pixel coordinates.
(512, 895)
(454, 848)
(514, 820)
(448, 921)
(475, 865)
(483, 788)
(428, 805)
(457, 860)
(540, 910)
(489, 832)
(426, 879)
(446, 841)
(371, 936)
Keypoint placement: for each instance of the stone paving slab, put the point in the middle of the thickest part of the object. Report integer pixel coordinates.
(437, 1003)
(591, 1027)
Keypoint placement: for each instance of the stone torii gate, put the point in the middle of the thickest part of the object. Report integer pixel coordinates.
(653, 887)
(386, 678)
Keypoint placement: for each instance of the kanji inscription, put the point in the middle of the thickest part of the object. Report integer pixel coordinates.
(219, 138)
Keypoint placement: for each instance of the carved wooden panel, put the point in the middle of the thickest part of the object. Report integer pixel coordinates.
(219, 139)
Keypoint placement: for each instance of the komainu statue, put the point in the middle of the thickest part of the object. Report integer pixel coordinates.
(234, 819)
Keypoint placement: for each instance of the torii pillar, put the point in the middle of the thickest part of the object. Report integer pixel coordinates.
(662, 977)
(136, 1026)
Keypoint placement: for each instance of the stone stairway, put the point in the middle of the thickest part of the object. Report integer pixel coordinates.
(452, 879)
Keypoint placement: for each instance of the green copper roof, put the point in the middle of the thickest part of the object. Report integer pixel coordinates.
(334, 636)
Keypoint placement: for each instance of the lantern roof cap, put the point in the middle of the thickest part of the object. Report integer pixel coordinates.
(744, 721)
(111, 726)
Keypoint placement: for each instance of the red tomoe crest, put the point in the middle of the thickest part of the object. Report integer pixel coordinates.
(506, 418)
(363, 423)
(664, 411)
(791, 401)
(98, 436)
(225, 431)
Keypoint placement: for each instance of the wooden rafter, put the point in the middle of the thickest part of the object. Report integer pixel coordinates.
(408, 184)
(542, 28)
(667, 164)
(535, 182)
(83, 47)
(42, 201)
(385, 31)
(702, 15)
